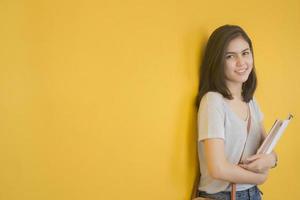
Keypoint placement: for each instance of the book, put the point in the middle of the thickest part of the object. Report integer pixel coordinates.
(274, 135)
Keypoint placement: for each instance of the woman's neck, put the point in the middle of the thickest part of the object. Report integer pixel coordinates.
(235, 90)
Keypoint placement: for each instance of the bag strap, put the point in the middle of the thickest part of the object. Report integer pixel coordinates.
(233, 185)
(195, 186)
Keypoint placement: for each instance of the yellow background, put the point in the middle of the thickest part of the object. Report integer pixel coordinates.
(97, 97)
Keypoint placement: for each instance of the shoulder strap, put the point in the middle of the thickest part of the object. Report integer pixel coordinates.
(195, 186)
(233, 185)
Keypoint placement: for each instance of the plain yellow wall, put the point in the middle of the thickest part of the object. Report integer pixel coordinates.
(97, 97)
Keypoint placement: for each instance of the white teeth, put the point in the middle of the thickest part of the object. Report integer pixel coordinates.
(241, 71)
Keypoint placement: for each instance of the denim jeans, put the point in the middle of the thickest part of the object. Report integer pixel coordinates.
(252, 193)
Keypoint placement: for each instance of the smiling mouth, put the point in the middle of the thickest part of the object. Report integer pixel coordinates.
(241, 71)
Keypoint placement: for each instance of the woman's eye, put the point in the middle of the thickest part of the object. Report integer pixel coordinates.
(246, 53)
(229, 56)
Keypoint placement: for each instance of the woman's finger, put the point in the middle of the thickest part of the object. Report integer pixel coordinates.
(254, 157)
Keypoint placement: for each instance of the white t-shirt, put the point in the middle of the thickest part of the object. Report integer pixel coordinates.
(217, 120)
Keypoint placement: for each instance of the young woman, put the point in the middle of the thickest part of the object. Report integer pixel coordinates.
(230, 123)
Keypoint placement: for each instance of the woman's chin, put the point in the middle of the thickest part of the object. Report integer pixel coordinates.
(242, 79)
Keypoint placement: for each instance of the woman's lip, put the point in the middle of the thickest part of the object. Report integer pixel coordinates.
(241, 70)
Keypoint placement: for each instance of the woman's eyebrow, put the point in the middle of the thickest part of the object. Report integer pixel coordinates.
(231, 52)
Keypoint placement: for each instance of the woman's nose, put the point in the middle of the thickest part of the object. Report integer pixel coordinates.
(240, 61)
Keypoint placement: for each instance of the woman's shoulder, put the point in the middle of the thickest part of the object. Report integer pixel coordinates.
(253, 101)
(256, 108)
(212, 97)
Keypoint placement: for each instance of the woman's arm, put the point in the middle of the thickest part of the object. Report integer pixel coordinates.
(261, 162)
(220, 168)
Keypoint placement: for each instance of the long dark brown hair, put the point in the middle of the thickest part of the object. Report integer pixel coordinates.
(212, 75)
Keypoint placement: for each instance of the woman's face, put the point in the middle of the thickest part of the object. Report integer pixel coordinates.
(238, 61)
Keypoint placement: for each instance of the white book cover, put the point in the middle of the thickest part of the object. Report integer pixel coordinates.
(274, 135)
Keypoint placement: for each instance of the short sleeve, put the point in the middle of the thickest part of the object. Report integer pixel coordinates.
(211, 117)
(259, 114)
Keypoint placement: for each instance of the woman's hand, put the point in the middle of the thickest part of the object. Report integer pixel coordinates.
(259, 163)
(263, 177)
